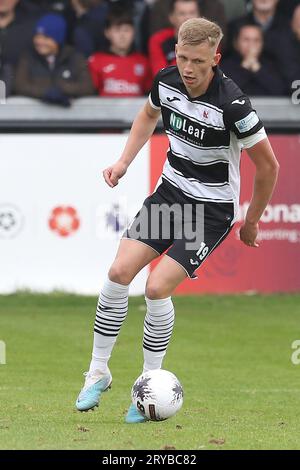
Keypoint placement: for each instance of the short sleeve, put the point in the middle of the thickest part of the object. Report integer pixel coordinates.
(154, 93)
(240, 118)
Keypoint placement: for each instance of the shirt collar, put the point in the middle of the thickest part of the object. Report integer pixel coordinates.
(212, 87)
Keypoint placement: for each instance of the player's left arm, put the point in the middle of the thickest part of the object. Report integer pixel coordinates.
(267, 168)
(241, 119)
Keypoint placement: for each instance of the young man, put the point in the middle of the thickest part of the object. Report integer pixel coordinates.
(162, 43)
(208, 120)
(253, 73)
(279, 46)
(120, 72)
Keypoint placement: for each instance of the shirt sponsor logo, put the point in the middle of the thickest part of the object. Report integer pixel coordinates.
(112, 85)
(248, 123)
(180, 124)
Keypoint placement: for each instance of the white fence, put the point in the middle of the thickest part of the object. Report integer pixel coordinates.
(59, 222)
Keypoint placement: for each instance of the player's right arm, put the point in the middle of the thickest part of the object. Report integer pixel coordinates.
(142, 128)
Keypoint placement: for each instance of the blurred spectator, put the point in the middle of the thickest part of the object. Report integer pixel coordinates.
(159, 15)
(31, 6)
(234, 9)
(87, 35)
(278, 40)
(214, 11)
(120, 71)
(162, 43)
(16, 30)
(287, 7)
(139, 10)
(296, 31)
(52, 71)
(296, 24)
(61, 7)
(255, 75)
(55, 6)
(211, 9)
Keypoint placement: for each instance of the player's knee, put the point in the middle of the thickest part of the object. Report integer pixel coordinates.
(154, 290)
(119, 273)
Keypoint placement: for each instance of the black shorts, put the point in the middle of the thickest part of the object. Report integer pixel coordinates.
(188, 233)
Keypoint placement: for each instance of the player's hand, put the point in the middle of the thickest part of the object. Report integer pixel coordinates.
(248, 234)
(113, 173)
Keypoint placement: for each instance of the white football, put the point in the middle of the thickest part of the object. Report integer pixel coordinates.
(157, 394)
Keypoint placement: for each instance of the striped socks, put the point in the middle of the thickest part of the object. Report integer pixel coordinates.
(111, 312)
(158, 327)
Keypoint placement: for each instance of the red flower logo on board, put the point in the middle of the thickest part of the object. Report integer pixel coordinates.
(64, 220)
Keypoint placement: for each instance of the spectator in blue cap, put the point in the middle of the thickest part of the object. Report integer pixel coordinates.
(52, 71)
(53, 26)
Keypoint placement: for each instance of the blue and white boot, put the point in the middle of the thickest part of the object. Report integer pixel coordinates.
(95, 383)
(134, 416)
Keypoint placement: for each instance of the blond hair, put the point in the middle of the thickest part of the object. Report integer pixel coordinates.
(198, 30)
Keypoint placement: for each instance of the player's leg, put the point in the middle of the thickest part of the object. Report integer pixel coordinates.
(180, 262)
(112, 306)
(138, 247)
(160, 316)
(111, 312)
(159, 320)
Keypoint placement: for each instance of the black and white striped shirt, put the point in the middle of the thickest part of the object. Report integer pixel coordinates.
(206, 135)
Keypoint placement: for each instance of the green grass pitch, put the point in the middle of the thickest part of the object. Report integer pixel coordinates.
(231, 353)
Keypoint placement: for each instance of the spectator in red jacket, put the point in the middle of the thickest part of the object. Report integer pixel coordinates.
(162, 43)
(120, 72)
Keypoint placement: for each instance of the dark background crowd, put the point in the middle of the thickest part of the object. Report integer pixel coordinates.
(56, 50)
